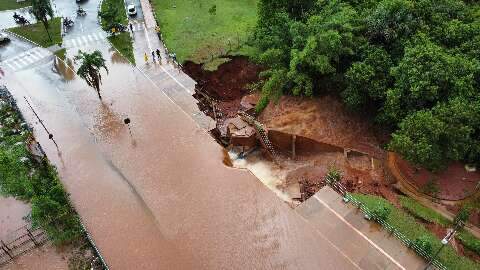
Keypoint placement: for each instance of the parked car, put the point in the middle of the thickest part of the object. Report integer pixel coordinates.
(131, 10)
(4, 38)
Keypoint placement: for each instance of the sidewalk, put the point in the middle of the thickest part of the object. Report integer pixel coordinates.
(364, 242)
(177, 85)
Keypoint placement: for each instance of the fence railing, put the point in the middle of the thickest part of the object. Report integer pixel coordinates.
(369, 214)
(21, 241)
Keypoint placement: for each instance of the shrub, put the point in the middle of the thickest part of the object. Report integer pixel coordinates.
(381, 212)
(422, 212)
(334, 175)
(424, 242)
(463, 215)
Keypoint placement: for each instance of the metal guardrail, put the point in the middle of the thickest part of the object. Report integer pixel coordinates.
(349, 198)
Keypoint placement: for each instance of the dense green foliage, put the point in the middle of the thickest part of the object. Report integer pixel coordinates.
(34, 181)
(36, 32)
(413, 65)
(90, 68)
(112, 12)
(416, 232)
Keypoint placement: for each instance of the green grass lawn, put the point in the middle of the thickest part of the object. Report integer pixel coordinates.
(194, 34)
(12, 4)
(36, 33)
(123, 43)
(406, 223)
(61, 53)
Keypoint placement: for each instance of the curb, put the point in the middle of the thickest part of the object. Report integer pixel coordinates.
(21, 37)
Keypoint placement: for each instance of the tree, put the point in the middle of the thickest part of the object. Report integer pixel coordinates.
(426, 75)
(89, 70)
(41, 10)
(433, 137)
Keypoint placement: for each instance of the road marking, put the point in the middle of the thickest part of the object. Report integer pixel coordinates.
(85, 41)
(24, 62)
(8, 64)
(171, 76)
(29, 58)
(90, 38)
(17, 65)
(359, 233)
(73, 42)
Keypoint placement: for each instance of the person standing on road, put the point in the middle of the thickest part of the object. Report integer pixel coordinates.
(153, 56)
(159, 57)
(145, 56)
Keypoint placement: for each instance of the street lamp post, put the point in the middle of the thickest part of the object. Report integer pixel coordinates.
(445, 241)
(50, 135)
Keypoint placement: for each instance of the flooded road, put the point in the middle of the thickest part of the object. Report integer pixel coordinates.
(160, 197)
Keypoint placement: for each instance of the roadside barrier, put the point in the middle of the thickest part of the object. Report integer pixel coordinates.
(36, 236)
(349, 198)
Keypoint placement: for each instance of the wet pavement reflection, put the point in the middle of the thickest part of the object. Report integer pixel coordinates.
(166, 201)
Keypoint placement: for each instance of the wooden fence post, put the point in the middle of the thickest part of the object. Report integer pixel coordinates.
(6, 249)
(32, 237)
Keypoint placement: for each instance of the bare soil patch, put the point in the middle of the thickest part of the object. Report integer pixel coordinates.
(453, 183)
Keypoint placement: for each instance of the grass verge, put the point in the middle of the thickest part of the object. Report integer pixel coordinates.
(415, 231)
(422, 212)
(61, 53)
(33, 179)
(194, 32)
(36, 32)
(13, 4)
(123, 43)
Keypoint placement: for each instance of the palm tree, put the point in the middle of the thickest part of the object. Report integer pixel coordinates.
(40, 10)
(89, 69)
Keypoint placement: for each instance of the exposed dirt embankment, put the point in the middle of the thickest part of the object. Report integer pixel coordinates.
(324, 119)
(227, 85)
(228, 82)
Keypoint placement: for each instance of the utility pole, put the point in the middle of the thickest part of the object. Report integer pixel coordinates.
(50, 135)
(445, 241)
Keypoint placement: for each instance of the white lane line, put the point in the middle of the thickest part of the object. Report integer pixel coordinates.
(171, 76)
(360, 233)
(84, 39)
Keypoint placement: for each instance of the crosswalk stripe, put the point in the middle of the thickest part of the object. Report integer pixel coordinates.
(74, 43)
(95, 36)
(40, 52)
(84, 39)
(90, 38)
(10, 65)
(37, 53)
(24, 63)
(17, 65)
(29, 59)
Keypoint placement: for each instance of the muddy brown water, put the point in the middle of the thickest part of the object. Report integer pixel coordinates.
(160, 197)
